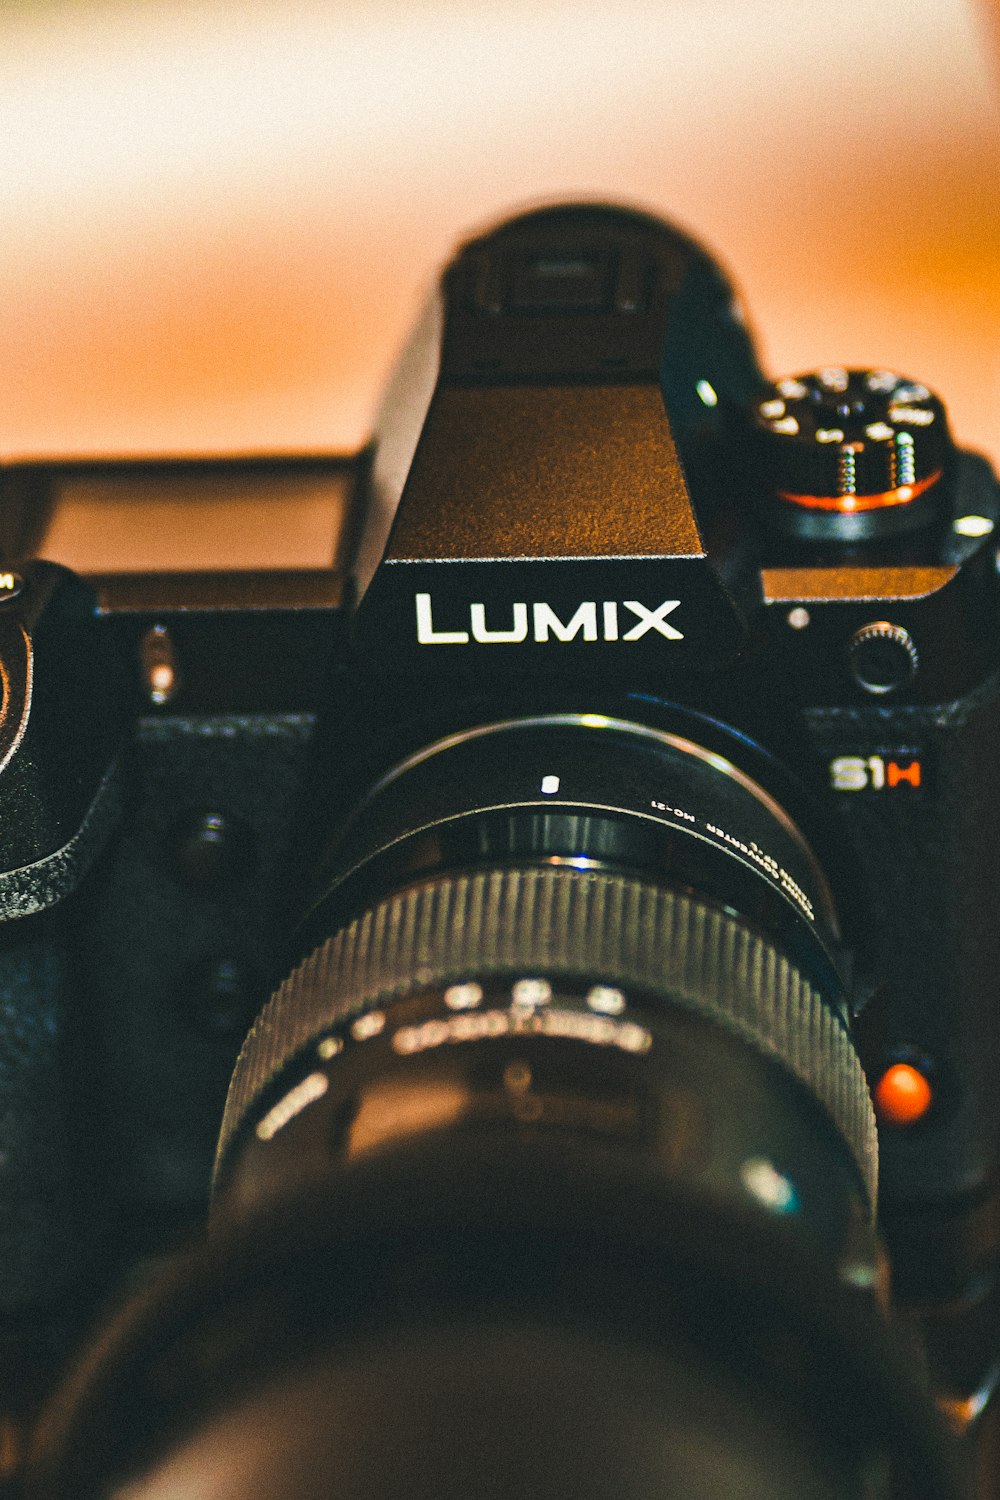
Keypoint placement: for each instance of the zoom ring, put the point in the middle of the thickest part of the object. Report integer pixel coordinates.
(566, 922)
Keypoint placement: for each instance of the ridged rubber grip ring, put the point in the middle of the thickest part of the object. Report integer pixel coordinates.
(559, 921)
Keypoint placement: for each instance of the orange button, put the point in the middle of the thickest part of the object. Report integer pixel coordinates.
(902, 1095)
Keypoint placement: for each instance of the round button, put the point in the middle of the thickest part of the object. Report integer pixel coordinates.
(882, 657)
(903, 1095)
(849, 454)
(211, 849)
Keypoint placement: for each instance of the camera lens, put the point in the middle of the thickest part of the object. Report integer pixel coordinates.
(549, 1170)
(573, 1000)
(576, 883)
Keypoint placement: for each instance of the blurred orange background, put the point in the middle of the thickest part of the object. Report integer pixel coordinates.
(219, 218)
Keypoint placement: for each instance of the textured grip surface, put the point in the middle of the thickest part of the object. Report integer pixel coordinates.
(553, 922)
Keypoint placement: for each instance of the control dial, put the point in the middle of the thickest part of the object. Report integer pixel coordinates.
(883, 657)
(851, 453)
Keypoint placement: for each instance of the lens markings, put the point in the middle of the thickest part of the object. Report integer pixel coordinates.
(571, 1025)
(312, 1087)
(368, 1025)
(463, 996)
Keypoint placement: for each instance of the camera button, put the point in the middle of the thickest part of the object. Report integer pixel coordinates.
(851, 454)
(902, 1095)
(211, 850)
(882, 657)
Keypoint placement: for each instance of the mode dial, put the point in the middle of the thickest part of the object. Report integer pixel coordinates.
(851, 453)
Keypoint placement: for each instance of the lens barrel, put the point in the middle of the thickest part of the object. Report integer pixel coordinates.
(565, 848)
(526, 961)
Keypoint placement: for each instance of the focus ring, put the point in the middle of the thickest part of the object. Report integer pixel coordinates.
(559, 921)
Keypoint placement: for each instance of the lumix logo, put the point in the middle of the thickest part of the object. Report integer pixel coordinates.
(591, 621)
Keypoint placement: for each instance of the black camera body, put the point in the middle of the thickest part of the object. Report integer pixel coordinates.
(598, 599)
